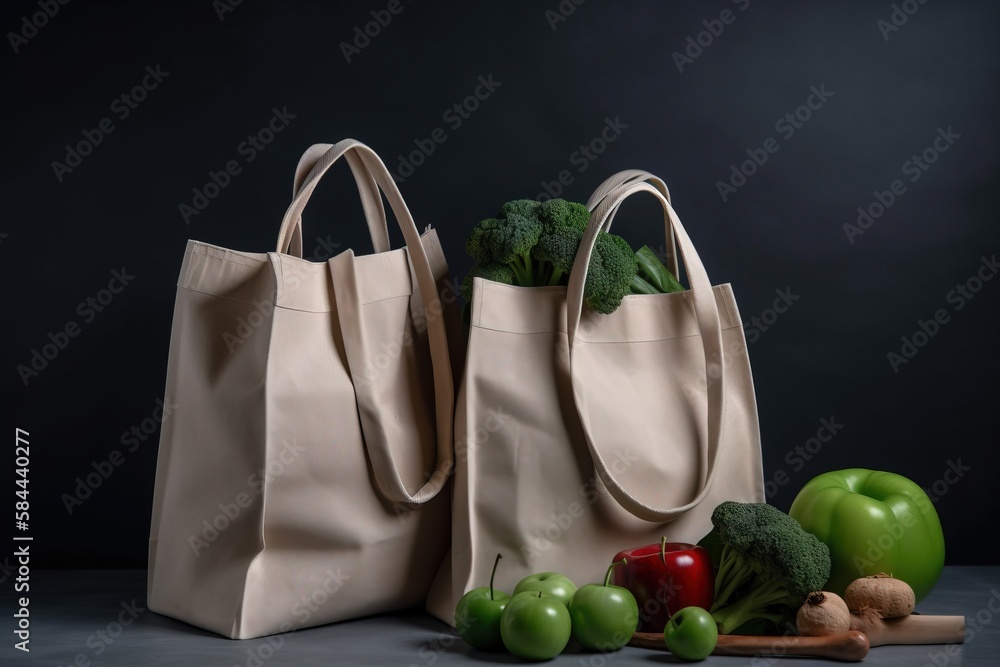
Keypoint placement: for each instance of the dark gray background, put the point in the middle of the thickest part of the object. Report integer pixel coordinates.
(826, 357)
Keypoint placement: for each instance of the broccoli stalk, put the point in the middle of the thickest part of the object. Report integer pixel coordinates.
(520, 264)
(768, 566)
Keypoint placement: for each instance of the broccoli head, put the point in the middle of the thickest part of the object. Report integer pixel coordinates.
(506, 240)
(768, 565)
(609, 277)
(531, 243)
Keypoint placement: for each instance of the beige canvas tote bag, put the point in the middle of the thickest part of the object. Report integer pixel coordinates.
(299, 476)
(580, 434)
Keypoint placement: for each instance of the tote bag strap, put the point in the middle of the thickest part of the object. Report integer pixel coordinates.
(635, 176)
(386, 473)
(706, 311)
(371, 200)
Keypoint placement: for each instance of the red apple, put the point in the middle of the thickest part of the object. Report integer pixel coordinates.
(665, 578)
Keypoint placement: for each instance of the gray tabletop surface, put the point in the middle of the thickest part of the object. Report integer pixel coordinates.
(69, 609)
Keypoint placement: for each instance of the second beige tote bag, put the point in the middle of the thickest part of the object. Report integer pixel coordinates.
(580, 434)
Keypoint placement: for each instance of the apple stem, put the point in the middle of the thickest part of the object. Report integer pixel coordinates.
(539, 594)
(607, 577)
(495, 563)
(663, 549)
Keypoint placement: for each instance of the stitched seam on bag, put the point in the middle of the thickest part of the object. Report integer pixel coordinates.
(729, 300)
(301, 310)
(215, 252)
(648, 340)
(598, 342)
(365, 303)
(217, 296)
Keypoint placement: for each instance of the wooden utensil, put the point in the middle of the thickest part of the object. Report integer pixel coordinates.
(850, 646)
(912, 629)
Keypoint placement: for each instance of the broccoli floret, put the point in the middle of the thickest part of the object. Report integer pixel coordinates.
(562, 214)
(498, 273)
(563, 224)
(506, 240)
(531, 243)
(555, 252)
(520, 208)
(768, 566)
(609, 278)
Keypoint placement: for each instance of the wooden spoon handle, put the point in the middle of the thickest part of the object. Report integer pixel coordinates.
(850, 646)
(913, 629)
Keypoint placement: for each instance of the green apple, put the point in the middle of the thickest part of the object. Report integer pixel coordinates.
(604, 617)
(691, 634)
(477, 615)
(535, 626)
(551, 583)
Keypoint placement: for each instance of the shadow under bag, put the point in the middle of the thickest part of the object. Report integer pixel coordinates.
(580, 434)
(298, 479)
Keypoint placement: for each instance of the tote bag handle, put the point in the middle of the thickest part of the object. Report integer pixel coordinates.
(706, 311)
(386, 473)
(635, 176)
(371, 199)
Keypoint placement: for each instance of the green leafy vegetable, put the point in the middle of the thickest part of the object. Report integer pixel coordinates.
(768, 565)
(533, 243)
